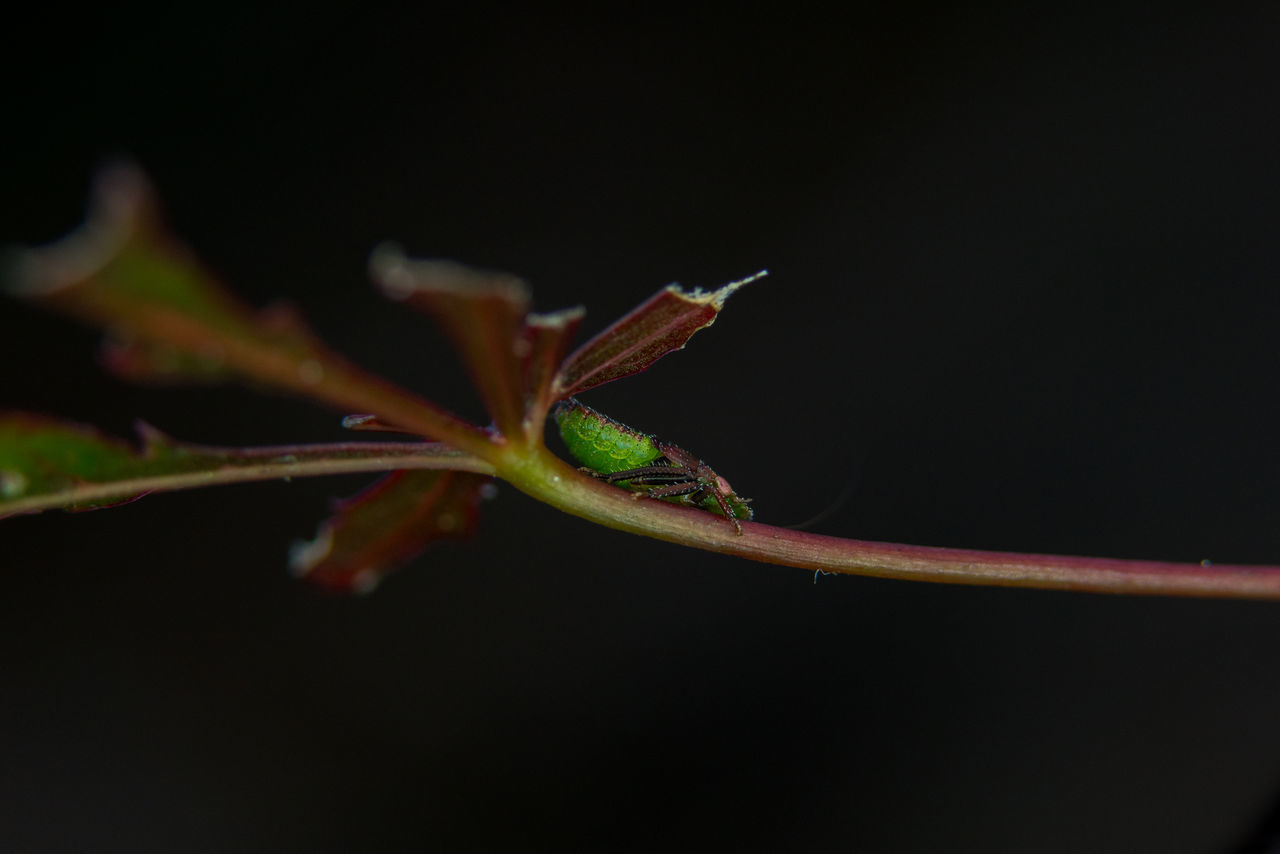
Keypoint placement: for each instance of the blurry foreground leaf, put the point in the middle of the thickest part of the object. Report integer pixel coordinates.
(513, 356)
(483, 314)
(46, 463)
(41, 457)
(546, 339)
(166, 315)
(387, 524)
(168, 318)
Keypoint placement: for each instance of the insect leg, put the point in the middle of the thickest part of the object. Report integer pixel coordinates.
(725, 509)
(647, 474)
(674, 490)
(697, 492)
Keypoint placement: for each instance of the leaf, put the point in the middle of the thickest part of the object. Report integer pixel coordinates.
(663, 323)
(546, 339)
(41, 457)
(388, 524)
(482, 312)
(47, 463)
(168, 318)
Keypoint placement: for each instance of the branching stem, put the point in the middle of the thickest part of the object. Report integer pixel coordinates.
(534, 470)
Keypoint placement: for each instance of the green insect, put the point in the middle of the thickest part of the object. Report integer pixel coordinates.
(621, 455)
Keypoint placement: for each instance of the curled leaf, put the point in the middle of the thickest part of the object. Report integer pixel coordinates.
(661, 324)
(386, 525)
(482, 312)
(168, 318)
(546, 339)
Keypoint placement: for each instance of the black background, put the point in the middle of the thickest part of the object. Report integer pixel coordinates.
(1025, 286)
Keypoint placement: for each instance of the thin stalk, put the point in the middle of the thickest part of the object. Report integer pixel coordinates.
(547, 478)
(540, 474)
(321, 375)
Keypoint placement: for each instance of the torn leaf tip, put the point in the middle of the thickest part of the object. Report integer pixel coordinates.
(721, 294)
(716, 299)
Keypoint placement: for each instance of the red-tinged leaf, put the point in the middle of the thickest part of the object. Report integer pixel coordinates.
(661, 324)
(46, 464)
(546, 340)
(168, 318)
(167, 315)
(388, 524)
(279, 328)
(482, 312)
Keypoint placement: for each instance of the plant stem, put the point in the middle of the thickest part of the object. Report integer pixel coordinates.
(537, 472)
(320, 375)
(547, 478)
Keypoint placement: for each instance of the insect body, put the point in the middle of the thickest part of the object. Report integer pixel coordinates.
(621, 455)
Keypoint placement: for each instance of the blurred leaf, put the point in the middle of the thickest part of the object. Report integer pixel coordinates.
(387, 524)
(546, 339)
(168, 318)
(482, 312)
(44, 457)
(46, 463)
(663, 323)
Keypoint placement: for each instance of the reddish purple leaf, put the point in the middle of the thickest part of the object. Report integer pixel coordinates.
(386, 525)
(663, 323)
(168, 318)
(167, 315)
(482, 312)
(546, 339)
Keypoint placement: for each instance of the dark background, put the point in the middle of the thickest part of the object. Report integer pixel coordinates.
(1024, 296)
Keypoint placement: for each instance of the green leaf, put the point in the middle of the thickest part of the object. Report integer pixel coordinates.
(41, 457)
(661, 324)
(386, 525)
(46, 463)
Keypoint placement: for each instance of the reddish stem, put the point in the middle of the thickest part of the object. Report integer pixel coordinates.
(550, 479)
